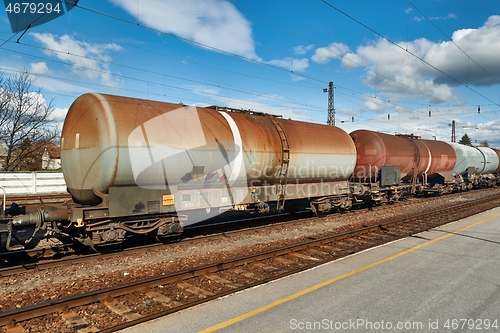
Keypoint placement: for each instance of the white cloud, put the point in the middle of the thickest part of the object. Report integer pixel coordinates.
(90, 61)
(55, 85)
(401, 74)
(334, 51)
(59, 114)
(482, 45)
(292, 64)
(206, 91)
(301, 49)
(40, 68)
(42, 79)
(435, 18)
(213, 23)
(375, 104)
(297, 78)
(263, 103)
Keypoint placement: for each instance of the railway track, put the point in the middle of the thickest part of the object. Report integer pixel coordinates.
(139, 301)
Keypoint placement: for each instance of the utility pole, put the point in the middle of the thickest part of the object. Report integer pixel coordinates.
(331, 107)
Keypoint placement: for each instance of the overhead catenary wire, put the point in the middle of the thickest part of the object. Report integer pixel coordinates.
(243, 57)
(409, 52)
(451, 40)
(311, 107)
(241, 90)
(337, 54)
(141, 69)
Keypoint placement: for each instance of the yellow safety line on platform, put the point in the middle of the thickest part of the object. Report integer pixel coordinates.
(335, 279)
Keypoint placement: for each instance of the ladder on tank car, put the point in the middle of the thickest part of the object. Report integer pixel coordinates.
(285, 161)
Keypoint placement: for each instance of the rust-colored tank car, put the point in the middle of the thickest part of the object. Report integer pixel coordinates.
(414, 157)
(111, 143)
(375, 150)
(436, 157)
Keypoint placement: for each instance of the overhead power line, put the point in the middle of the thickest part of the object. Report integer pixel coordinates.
(451, 40)
(409, 52)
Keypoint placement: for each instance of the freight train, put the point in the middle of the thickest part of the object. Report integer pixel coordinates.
(137, 166)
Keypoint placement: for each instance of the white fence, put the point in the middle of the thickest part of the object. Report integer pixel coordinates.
(32, 182)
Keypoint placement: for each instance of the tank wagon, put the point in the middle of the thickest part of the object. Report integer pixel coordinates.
(476, 166)
(389, 167)
(145, 167)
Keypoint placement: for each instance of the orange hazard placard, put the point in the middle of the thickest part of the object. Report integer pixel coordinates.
(168, 199)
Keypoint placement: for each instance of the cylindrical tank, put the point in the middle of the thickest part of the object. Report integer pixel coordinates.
(468, 157)
(435, 157)
(111, 141)
(376, 150)
(490, 160)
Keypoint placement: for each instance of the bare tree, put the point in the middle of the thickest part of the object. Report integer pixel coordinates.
(25, 120)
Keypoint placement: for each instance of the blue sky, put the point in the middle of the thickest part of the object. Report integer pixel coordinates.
(391, 61)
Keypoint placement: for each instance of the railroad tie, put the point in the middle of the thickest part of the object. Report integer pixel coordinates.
(14, 329)
(220, 280)
(317, 253)
(268, 268)
(78, 323)
(121, 309)
(285, 261)
(371, 238)
(364, 241)
(248, 274)
(158, 297)
(194, 290)
(344, 244)
(331, 249)
(303, 256)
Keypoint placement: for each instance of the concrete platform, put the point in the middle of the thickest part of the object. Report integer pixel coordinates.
(446, 279)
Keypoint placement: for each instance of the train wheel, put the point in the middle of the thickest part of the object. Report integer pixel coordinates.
(106, 240)
(169, 231)
(345, 206)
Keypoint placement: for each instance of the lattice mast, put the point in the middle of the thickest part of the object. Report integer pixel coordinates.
(331, 107)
